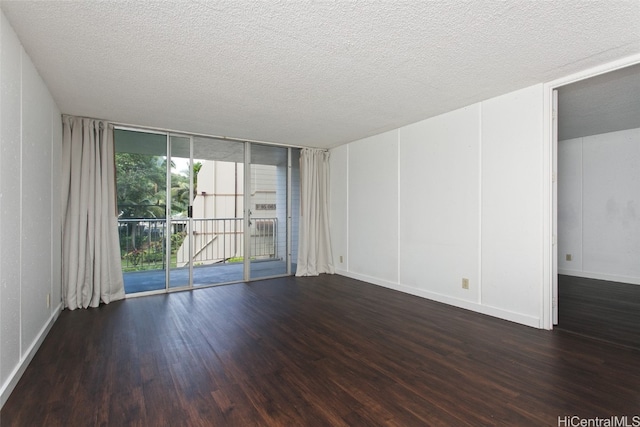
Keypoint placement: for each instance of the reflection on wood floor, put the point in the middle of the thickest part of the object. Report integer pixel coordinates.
(600, 309)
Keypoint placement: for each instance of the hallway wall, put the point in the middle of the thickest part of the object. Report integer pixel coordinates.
(30, 224)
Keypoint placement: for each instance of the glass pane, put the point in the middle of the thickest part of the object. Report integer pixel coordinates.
(141, 196)
(213, 238)
(217, 211)
(268, 206)
(180, 225)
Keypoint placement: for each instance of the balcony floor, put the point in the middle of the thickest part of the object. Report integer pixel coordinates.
(154, 280)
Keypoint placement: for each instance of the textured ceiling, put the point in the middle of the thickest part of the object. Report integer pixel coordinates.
(308, 72)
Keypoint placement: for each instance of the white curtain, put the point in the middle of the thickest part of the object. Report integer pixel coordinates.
(314, 244)
(91, 270)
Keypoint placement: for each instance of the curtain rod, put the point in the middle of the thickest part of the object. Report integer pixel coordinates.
(127, 126)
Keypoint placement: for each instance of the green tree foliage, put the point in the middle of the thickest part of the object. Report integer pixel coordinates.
(196, 169)
(141, 195)
(180, 190)
(179, 197)
(141, 182)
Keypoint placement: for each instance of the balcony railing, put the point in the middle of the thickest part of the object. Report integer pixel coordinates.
(213, 241)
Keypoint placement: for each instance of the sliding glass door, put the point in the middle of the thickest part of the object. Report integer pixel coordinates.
(267, 243)
(212, 211)
(217, 211)
(179, 244)
(141, 173)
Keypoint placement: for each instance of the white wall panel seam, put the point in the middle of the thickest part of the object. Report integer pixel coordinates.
(542, 204)
(20, 186)
(1, 340)
(549, 153)
(399, 205)
(347, 231)
(51, 215)
(479, 284)
(581, 204)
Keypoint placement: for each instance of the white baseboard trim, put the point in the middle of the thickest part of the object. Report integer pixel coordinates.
(600, 276)
(522, 319)
(17, 372)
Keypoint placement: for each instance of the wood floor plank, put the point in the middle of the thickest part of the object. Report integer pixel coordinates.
(601, 309)
(313, 351)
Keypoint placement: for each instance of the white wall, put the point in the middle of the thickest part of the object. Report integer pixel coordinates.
(512, 203)
(599, 206)
(440, 204)
(454, 196)
(31, 139)
(373, 207)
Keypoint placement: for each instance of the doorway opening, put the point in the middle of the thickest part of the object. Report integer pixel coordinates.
(598, 206)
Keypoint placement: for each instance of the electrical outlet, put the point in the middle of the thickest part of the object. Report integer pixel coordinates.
(48, 300)
(465, 283)
(568, 257)
(340, 259)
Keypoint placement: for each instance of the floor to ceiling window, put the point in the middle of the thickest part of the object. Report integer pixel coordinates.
(196, 211)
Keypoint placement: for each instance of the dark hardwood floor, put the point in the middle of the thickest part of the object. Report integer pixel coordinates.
(325, 351)
(600, 309)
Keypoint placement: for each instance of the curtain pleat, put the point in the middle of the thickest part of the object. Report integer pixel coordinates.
(314, 244)
(91, 257)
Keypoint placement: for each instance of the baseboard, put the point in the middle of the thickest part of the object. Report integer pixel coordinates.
(342, 272)
(16, 374)
(522, 319)
(600, 276)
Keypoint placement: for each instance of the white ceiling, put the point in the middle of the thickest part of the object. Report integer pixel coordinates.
(605, 103)
(305, 72)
